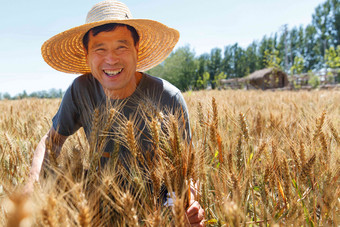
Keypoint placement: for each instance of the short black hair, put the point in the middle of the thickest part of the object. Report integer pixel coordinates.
(107, 28)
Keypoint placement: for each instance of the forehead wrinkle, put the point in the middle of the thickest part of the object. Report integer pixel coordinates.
(124, 41)
(99, 44)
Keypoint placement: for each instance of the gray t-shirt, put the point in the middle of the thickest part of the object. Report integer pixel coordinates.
(86, 94)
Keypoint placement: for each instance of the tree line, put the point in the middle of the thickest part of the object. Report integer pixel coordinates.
(50, 94)
(295, 51)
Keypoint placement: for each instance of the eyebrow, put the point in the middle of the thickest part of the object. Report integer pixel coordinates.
(124, 41)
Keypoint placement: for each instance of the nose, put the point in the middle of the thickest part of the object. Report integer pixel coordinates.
(111, 58)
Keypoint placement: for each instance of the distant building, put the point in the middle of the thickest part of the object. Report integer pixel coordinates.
(300, 79)
(268, 78)
(234, 83)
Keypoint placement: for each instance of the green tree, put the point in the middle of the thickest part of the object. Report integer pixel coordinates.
(251, 58)
(332, 57)
(6, 95)
(322, 21)
(218, 78)
(282, 47)
(157, 71)
(298, 66)
(263, 47)
(271, 59)
(312, 54)
(203, 81)
(336, 21)
(241, 67)
(235, 61)
(227, 62)
(301, 42)
(314, 80)
(215, 63)
(293, 45)
(179, 68)
(202, 67)
(23, 95)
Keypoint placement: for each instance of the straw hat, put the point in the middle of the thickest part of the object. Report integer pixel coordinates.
(64, 51)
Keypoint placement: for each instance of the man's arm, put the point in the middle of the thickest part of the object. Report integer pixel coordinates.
(195, 212)
(54, 141)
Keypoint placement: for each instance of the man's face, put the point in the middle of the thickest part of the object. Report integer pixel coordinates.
(112, 57)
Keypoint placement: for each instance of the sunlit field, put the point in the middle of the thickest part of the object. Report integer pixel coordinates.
(257, 158)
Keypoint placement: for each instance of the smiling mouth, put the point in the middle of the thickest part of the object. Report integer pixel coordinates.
(112, 73)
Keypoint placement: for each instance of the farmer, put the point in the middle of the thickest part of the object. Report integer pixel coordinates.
(111, 50)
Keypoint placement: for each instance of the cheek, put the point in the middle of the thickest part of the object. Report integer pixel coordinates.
(89, 60)
(93, 61)
(134, 59)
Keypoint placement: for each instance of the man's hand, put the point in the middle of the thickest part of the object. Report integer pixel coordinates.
(28, 188)
(195, 214)
(56, 142)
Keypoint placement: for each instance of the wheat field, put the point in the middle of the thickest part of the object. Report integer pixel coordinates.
(257, 158)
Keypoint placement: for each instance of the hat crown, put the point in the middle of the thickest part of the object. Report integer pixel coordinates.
(108, 10)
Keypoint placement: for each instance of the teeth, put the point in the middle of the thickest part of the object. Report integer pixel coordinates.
(112, 73)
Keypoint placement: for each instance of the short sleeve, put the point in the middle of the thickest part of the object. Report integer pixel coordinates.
(181, 106)
(67, 119)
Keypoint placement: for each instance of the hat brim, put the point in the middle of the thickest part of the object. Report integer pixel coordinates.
(64, 51)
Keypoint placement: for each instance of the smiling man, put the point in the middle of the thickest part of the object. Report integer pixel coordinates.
(112, 57)
(111, 51)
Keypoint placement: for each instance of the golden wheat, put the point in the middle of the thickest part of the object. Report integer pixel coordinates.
(258, 157)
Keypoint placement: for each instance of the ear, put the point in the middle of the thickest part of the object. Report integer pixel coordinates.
(137, 47)
(86, 55)
(137, 50)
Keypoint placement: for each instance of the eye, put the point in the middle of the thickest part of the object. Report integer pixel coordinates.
(99, 50)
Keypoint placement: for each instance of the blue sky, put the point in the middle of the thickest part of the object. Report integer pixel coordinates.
(25, 25)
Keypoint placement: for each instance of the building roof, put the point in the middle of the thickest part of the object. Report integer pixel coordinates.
(259, 73)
